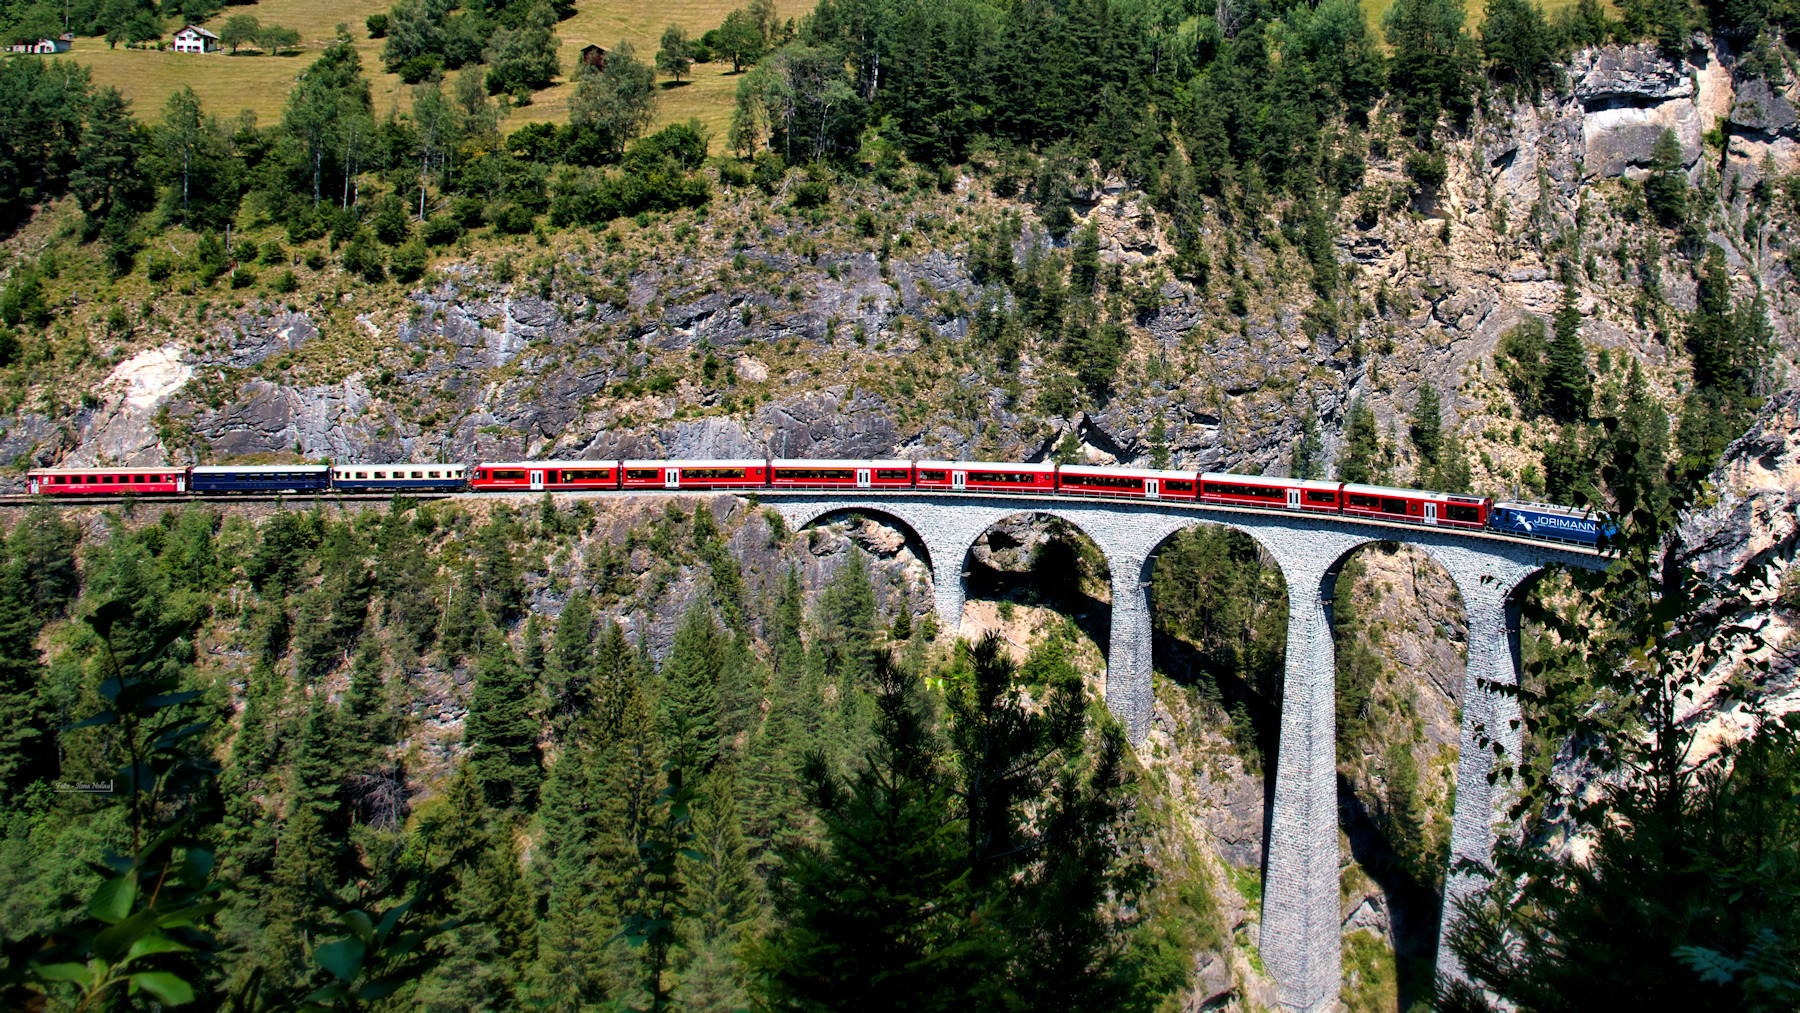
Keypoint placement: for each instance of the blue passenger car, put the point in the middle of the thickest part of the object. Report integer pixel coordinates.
(397, 477)
(1551, 523)
(260, 478)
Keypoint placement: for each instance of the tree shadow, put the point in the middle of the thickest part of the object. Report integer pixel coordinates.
(1188, 665)
(672, 85)
(1414, 907)
(1029, 587)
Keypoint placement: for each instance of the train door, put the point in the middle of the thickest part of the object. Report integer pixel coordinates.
(1152, 489)
(671, 478)
(537, 481)
(33, 486)
(863, 478)
(959, 480)
(1431, 513)
(1293, 499)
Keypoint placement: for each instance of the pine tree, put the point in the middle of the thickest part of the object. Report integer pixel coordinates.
(1362, 445)
(26, 752)
(502, 733)
(578, 918)
(483, 961)
(1666, 189)
(500, 576)
(880, 916)
(847, 621)
(1425, 428)
(569, 664)
(721, 895)
(464, 622)
(1568, 389)
(1307, 448)
(688, 707)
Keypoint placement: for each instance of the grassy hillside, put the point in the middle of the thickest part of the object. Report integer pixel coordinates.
(228, 83)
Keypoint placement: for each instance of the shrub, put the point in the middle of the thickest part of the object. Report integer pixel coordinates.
(392, 224)
(159, 268)
(363, 257)
(315, 259)
(513, 219)
(243, 277)
(811, 194)
(377, 25)
(420, 67)
(410, 260)
(23, 301)
(271, 253)
(734, 173)
(285, 282)
(442, 230)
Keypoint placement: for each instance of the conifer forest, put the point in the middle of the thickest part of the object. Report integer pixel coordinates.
(596, 753)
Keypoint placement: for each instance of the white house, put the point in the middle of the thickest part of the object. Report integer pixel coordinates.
(45, 46)
(194, 39)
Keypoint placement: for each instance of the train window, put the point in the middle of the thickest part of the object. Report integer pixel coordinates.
(1392, 505)
(1321, 496)
(810, 474)
(644, 474)
(505, 473)
(934, 476)
(1178, 485)
(1253, 491)
(1465, 514)
(1004, 477)
(431, 474)
(891, 475)
(712, 473)
(1104, 481)
(106, 480)
(62, 480)
(587, 476)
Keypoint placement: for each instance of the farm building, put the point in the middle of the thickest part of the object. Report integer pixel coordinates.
(45, 45)
(593, 56)
(194, 39)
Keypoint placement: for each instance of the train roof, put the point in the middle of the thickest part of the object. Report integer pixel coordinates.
(1548, 508)
(1285, 483)
(547, 464)
(1090, 469)
(1388, 490)
(835, 462)
(107, 471)
(393, 465)
(1041, 469)
(723, 462)
(259, 469)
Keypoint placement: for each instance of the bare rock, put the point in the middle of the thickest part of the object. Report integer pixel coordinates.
(1627, 75)
(1762, 109)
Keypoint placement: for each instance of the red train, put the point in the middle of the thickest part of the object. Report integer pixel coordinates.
(1408, 506)
(1411, 506)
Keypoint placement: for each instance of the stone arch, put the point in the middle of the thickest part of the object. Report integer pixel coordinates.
(1090, 612)
(908, 530)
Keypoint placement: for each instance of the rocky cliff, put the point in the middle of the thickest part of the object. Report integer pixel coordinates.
(741, 331)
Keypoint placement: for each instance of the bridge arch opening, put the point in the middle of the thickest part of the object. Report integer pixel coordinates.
(883, 536)
(1036, 560)
(1219, 608)
(1401, 639)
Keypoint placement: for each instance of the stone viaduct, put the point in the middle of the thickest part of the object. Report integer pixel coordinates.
(1301, 923)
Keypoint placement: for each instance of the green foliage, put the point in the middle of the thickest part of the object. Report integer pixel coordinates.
(1520, 46)
(1425, 427)
(1360, 458)
(1691, 867)
(524, 56)
(1666, 188)
(1568, 389)
(1308, 451)
(675, 56)
(502, 732)
(1522, 356)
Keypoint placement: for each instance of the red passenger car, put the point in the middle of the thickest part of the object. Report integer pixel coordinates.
(1131, 483)
(537, 476)
(972, 476)
(106, 481)
(1268, 493)
(735, 474)
(795, 473)
(1416, 507)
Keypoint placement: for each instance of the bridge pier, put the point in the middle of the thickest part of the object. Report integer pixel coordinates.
(1487, 583)
(948, 591)
(1301, 921)
(1130, 694)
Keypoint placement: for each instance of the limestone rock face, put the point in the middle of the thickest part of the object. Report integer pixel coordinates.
(1762, 109)
(1626, 75)
(1754, 519)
